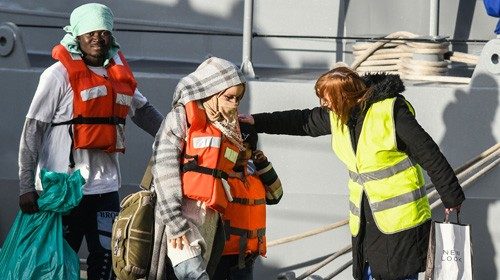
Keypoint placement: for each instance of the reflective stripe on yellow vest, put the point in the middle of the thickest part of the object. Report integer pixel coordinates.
(392, 182)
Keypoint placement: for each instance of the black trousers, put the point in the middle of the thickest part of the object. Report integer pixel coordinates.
(93, 219)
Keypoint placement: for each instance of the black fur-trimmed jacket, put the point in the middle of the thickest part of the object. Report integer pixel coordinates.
(396, 255)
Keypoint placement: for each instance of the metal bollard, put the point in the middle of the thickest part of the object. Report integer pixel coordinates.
(12, 51)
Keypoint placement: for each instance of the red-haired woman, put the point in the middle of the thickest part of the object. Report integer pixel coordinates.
(375, 134)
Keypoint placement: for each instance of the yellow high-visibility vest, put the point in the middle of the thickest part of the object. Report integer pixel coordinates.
(393, 183)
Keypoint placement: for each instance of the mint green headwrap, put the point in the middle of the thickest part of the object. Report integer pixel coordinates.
(87, 18)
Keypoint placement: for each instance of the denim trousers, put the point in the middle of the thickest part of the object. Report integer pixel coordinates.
(191, 269)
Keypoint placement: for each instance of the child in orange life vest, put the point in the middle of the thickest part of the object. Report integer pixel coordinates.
(254, 184)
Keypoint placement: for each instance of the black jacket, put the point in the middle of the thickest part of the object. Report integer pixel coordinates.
(391, 256)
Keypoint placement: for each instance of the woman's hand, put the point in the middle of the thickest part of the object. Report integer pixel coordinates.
(179, 242)
(448, 211)
(246, 119)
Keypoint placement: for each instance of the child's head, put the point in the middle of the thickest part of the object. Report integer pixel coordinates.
(250, 138)
(249, 135)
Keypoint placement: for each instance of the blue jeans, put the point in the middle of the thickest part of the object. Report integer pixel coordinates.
(368, 275)
(191, 269)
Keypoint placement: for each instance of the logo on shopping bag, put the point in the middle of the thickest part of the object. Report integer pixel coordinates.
(451, 256)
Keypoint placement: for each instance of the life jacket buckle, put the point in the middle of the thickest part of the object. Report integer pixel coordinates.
(217, 173)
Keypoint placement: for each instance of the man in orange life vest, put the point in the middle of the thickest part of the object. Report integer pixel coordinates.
(254, 183)
(76, 121)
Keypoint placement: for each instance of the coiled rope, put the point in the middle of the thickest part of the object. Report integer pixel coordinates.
(412, 60)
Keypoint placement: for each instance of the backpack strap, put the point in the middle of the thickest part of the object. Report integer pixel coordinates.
(147, 179)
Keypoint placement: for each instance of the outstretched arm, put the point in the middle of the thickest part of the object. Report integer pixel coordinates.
(308, 122)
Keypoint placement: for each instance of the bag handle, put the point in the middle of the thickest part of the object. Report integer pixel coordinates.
(147, 179)
(447, 217)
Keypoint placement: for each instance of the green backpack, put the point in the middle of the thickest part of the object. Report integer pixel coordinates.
(133, 232)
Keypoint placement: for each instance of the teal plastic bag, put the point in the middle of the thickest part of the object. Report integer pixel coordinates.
(35, 248)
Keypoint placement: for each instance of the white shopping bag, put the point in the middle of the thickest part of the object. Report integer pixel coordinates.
(450, 252)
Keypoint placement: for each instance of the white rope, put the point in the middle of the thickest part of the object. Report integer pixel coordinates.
(471, 168)
(307, 233)
(471, 179)
(418, 61)
(375, 46)
(441, 79)
(326, 261)
(472, 164)
(338, 271)
(464, 60)
(484, 154)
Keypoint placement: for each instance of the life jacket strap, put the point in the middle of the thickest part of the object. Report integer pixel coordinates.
(92, 120)
(193, 165)
(86, 120)
(249, 201)
(244, 235)
(71, 157)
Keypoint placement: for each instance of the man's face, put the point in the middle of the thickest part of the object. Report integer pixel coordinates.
(95, 46)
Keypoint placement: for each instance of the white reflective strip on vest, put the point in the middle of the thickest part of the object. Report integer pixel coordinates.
(117, 59)
(123, 99)
(402, 199)
(362, 178)
(398, 200)
(94, 92)
(207, 141)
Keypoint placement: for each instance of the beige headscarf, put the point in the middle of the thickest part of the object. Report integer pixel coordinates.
(224, 116)
(207, 84)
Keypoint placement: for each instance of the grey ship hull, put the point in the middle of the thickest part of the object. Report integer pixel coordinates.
(464, 120)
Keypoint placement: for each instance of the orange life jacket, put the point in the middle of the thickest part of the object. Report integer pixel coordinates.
(208, 157)
(100, 104)
(245, 219)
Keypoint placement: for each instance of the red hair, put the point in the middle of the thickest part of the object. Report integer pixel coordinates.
(344, 90)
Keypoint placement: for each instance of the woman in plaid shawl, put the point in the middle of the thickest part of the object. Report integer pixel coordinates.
(185, 228)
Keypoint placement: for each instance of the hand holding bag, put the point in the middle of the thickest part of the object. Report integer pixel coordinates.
(450, 251)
